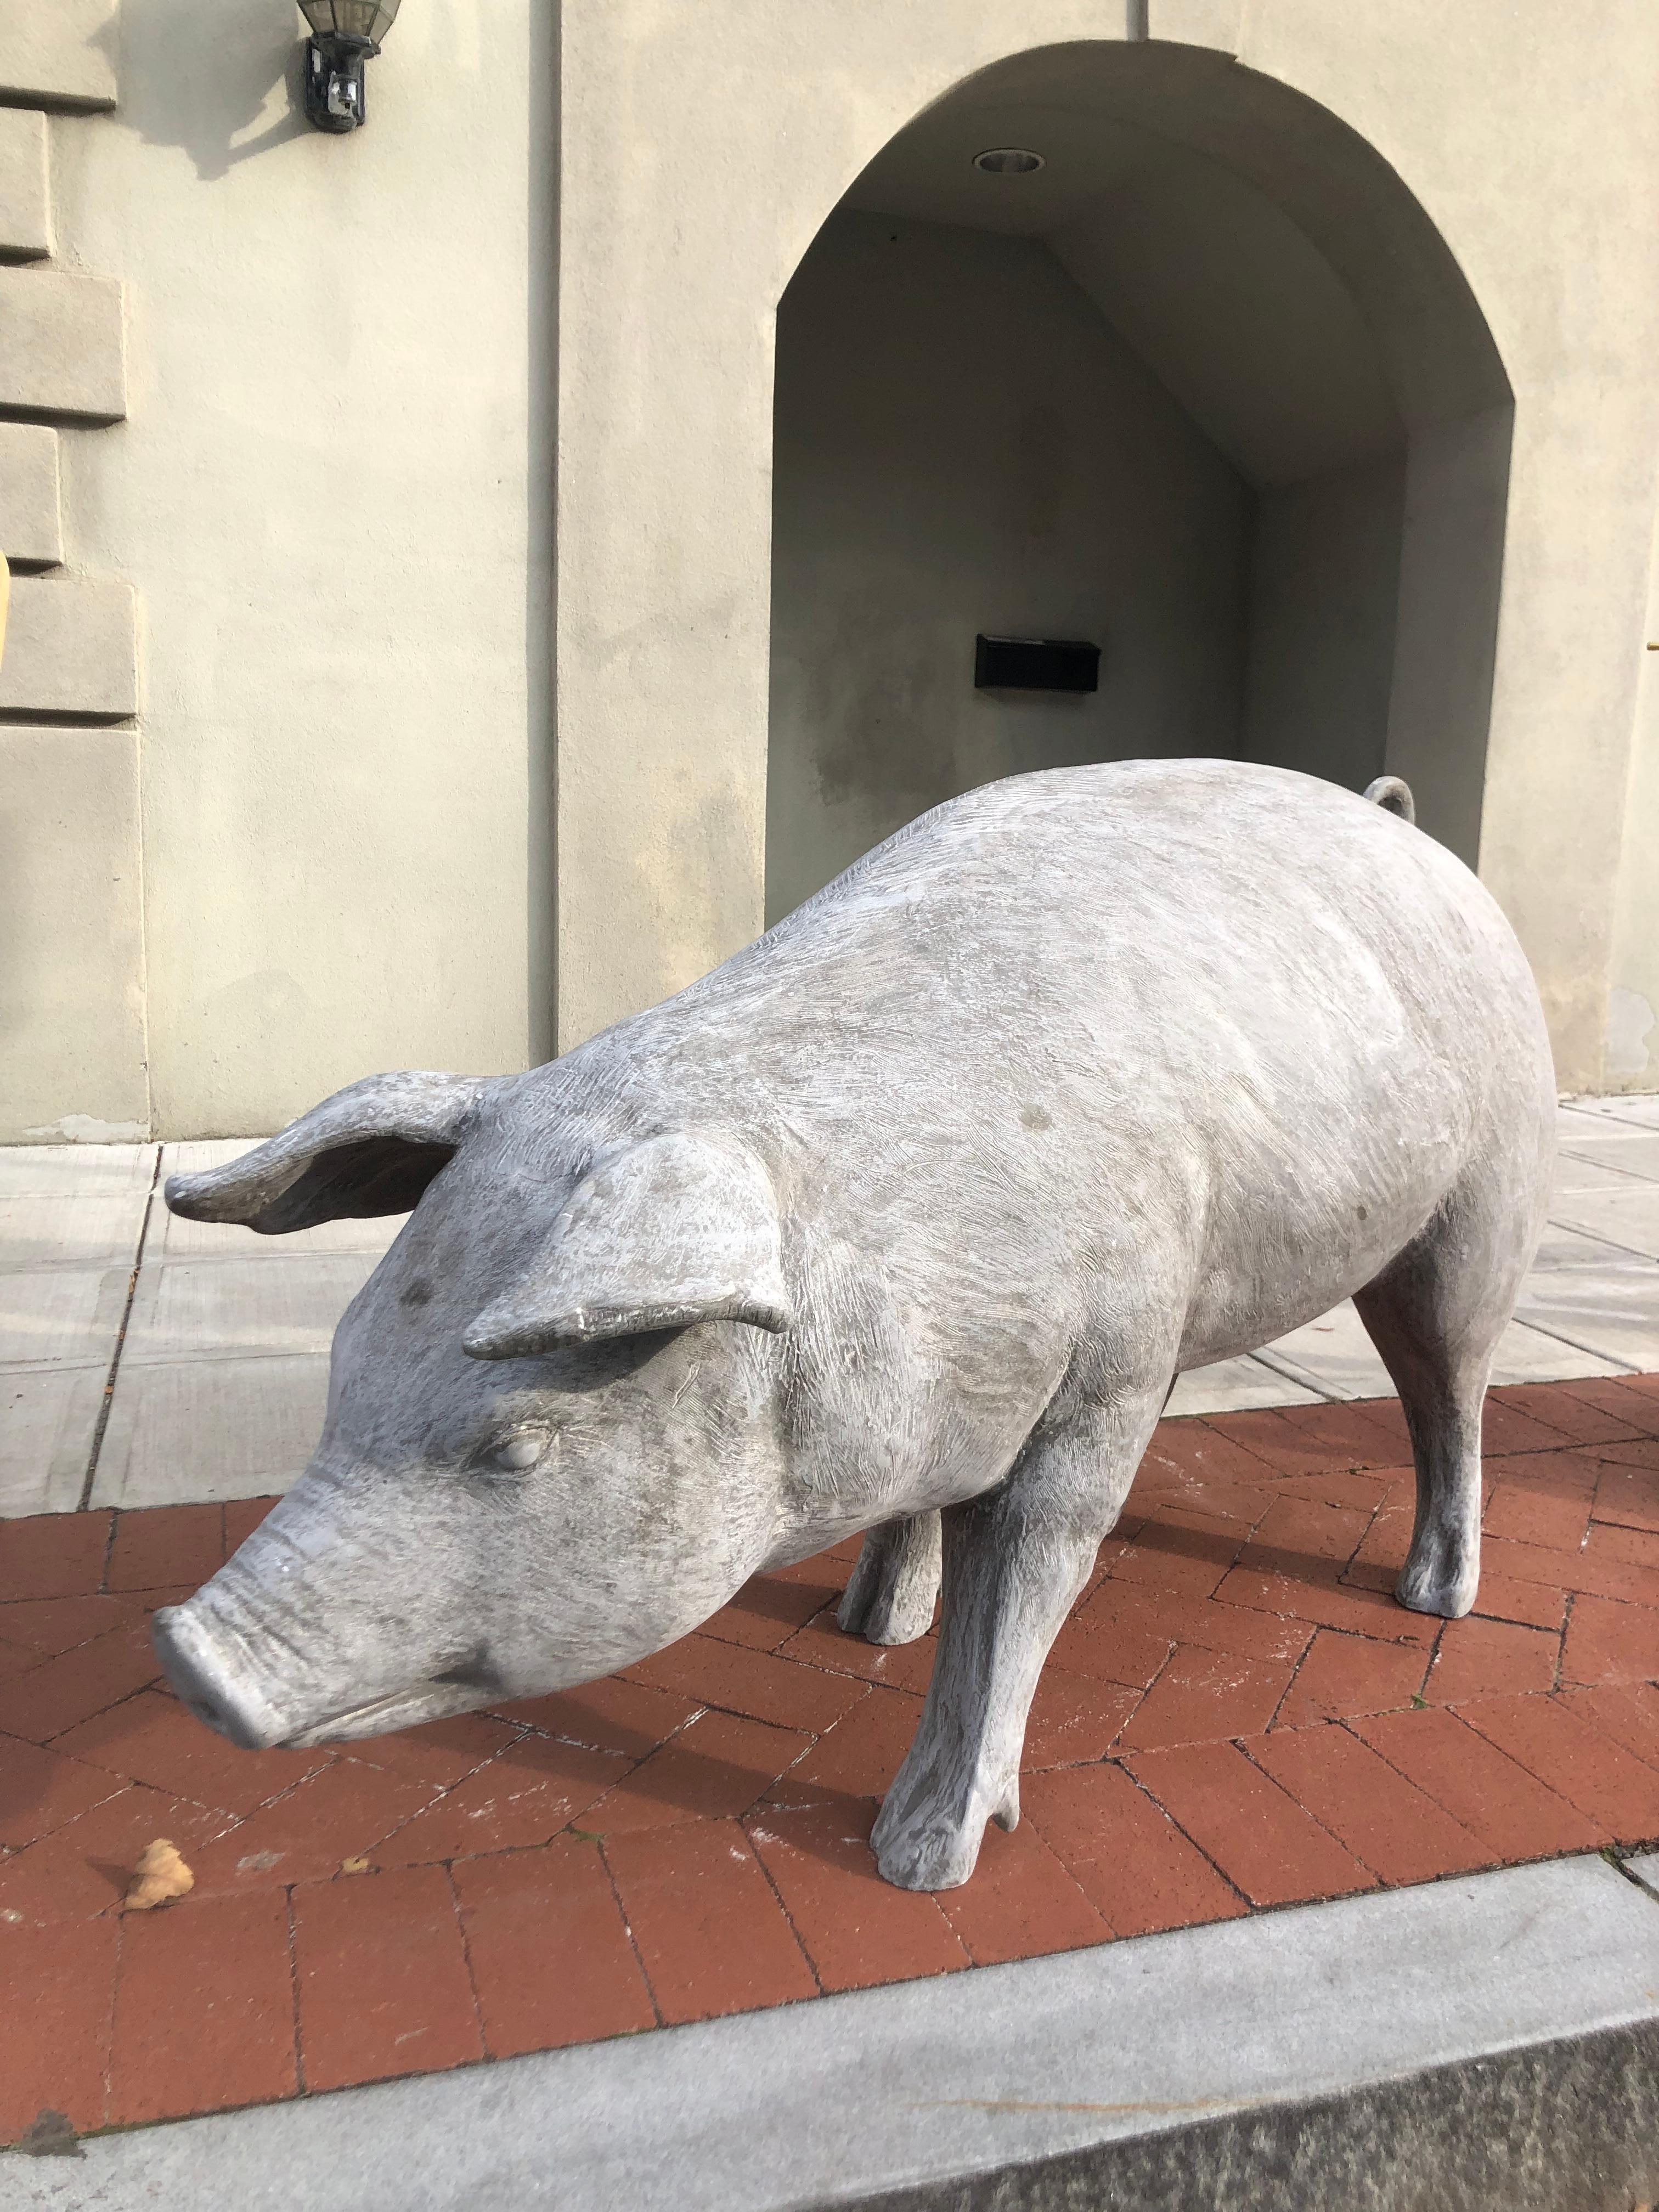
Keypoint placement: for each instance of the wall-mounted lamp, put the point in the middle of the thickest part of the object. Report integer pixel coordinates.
(345, 33)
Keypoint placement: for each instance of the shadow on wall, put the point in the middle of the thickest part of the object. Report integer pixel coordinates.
(963, 443)
(195, 76)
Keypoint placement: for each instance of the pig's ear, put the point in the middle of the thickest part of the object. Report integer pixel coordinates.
(372, 1148)
(675, 1229)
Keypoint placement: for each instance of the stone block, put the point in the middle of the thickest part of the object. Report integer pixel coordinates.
(52, 1419)
(62, 345)
(31, 520)
(62, 1316)
(92, 1230)
(242, 1306)
(24, 211)
(207, 1429)
(57, 1172)
(1606, 1303)
(71, 982)
(59, 53)
(71, 648)
(1627, 1219)
(1529, 1355)
(1231, 1385)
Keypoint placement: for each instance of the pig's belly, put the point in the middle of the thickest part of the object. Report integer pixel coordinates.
(1275, 1262)
(1223, 1325)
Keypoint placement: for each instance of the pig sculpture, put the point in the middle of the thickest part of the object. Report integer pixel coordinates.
(910, 1214)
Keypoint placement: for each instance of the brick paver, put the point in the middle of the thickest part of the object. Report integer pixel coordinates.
(856, 1928)
(551, 1959)
(713, 1933)
(1236, 1717)
(382, 1979)
(1023, 1901)
(1268, 1847)
(206, 1996)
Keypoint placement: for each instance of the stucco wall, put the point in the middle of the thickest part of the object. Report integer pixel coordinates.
(962, 444)
(326, 518)
(752, 122)
(332, 490)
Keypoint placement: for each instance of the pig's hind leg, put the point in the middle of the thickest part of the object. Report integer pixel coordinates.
(1435, 1315)
(1015, 1562)
(891, 1593)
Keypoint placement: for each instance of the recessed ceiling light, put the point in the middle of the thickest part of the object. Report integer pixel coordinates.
(1008, 162)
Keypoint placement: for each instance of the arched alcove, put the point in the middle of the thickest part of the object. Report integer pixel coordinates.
(1208, 388)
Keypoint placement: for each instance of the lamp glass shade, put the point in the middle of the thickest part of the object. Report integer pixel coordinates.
(352, 19)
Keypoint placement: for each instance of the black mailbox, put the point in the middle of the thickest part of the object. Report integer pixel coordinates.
(1036, 663)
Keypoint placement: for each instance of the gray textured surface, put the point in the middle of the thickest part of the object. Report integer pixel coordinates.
(1558, 2127)
(70, 1230)
(242, 1428)
(917, 1205)
(928, 2085)
(71, 646)
(62, 353)
(31, 518)
(73, 1069)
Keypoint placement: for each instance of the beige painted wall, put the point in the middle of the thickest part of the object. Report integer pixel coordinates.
(961, 444)
(333, 491)
(750, 122)
(349, 440)
(744, 124)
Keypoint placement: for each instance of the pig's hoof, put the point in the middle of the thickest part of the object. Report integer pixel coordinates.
(928, 1854)
(887, 1614)
(1436, 1583)
(926, 1847)
(894, 1586)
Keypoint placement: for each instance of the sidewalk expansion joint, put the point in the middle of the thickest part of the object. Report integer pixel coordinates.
(120, 1339)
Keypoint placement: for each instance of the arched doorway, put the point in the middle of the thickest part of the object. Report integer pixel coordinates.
(1207, 389)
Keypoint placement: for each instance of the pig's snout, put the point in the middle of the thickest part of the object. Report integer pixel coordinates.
(212, 1679)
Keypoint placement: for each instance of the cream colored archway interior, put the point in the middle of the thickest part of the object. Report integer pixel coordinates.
(1207, 389)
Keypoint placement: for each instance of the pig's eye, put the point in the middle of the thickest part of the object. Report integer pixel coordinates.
(515, 1454)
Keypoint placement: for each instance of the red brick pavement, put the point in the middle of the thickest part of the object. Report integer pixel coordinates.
(1236, 1717)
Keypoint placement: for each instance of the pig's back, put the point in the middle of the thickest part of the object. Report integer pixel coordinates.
(1229, 1005)
(1189, 920)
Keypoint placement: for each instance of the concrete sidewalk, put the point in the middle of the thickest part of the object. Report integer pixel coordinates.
(148, 1361)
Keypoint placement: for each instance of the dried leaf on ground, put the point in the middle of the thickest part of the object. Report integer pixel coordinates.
(159, 1878)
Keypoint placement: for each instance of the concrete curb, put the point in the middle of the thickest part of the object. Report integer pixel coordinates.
(1483, 2042)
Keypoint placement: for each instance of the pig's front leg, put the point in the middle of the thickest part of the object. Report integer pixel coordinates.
(891, 1593)
(1015, 1562)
